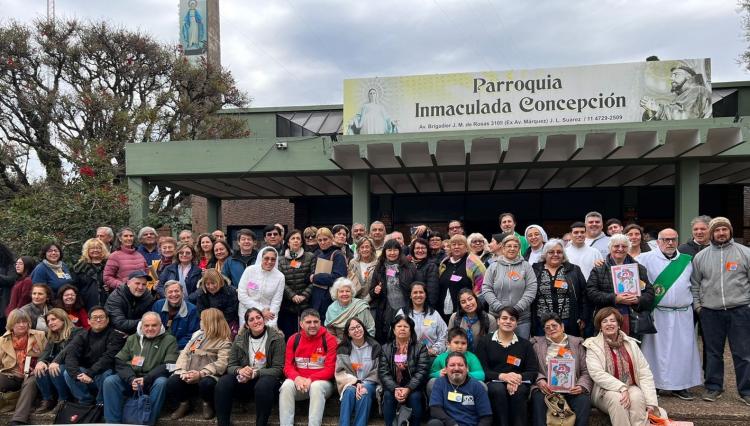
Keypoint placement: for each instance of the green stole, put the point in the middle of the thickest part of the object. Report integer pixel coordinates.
(669, 275)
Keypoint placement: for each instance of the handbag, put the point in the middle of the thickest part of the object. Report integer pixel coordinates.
(641, 323)
(74, 413)
(558, 411)
(137, 410)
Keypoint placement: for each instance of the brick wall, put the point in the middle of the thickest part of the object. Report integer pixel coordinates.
(244, 212)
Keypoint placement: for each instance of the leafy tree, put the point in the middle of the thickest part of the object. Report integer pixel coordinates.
(73, 94)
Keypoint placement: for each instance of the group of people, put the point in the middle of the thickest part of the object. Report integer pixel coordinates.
(446, 329)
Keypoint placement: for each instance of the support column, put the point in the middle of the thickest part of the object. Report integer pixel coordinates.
(361, 198)
(137, 201)
(213, 214)
(687, 184)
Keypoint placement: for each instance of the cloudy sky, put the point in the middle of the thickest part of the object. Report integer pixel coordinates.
(297, 52)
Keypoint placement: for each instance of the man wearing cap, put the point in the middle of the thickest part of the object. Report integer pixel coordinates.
(720, 284)
(692, 98)
(127, 303)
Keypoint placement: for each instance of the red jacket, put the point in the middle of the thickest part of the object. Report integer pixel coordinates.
(310, 360)
(20, 295)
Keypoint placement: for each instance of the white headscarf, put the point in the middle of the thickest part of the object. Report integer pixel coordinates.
(259, 258)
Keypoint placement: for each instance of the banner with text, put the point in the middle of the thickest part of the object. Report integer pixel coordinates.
(617, 93)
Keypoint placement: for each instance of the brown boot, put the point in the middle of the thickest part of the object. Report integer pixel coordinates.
(181, 411)
(45, 406)
(208, 411)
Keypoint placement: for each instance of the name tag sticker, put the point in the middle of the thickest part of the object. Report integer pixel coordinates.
(455, 397)
(399, 358)
(514, 361)
(356, 366)
(514, 275)
(391, 272)
(562, 352)
(252, 286)
(137, 361)
(260, 356)
(295, 264)
(455, 278)
(731, 266)
(428, 322)
(561, 284)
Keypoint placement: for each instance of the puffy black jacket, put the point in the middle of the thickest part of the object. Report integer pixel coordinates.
(601, 293)
(224, 300)
(297, 281)
(418, 365)
(125, 310)
(427, 272)
(89, 279)
(93, 353)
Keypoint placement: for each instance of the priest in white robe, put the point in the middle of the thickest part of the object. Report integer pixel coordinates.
(672, 353)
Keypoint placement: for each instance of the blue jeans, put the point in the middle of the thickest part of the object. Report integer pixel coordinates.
(390, 405)
(359, 407)
(718, 325)
(83, 392)
(48, 385)
(116, 390)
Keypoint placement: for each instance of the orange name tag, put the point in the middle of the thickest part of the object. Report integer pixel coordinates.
(562, 351)
(731, 266)
(514, 275)
(294, 264)
(514, 361)
(260, 356)
(137, 361)
(356, 366)
(561, 284)
(315, 357)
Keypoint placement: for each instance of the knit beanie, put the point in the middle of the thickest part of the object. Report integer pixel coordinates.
(717, 222)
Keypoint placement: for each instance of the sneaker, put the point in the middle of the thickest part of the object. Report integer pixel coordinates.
(712, 395)
(685, 395)
(745, 399)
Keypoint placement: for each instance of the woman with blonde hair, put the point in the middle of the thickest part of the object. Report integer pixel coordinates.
(20, 347)
(459, 269)
(200, 364)
(88, 273)
(49, 367)
(362, 268)
(214, 291)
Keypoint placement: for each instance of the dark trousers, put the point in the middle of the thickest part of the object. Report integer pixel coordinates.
(718, 325)
(508, 409)
(320, 300)
(26, 398)
(580, 404)
(179, 390)
(265, 389)
(288, 322)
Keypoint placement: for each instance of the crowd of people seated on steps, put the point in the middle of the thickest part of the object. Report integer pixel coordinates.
(446, 329)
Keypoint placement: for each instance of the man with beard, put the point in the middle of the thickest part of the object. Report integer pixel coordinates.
(721, 297)
(507, 223)
(692, 98)
(458, 399)
(179, 317)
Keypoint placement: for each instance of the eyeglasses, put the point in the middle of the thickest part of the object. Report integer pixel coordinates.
(98, 317)
(454, 227)
(272, 234)
(668, 240)
(552, 327)
(309, 237)
(555, 252)
(355, 328)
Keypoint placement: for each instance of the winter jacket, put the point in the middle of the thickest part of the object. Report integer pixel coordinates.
(150, 256)
(691, 248)
(37, 314)
(275, 351)
(384, 312)
(510, 283)
(474, 271)
(120, 264)
(596, 363)
(224, 300)
(576, 292)
(427, 272)
(338, 269)
(44, 274)
(418, 365)
(186, 322)
(260, 289)
(210, 358)
(20, 295)
(93, 352)
(89, 280)
(171, 272)
(575, 346)
(601, 292)
(125, 310)
(156, 352)
(8, 363)
(56, 351)
(305, 360)
(721, 276)
(361, 286)
(296, 280)
(235, 266)
(345, 372)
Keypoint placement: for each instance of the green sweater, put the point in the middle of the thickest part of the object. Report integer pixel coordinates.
(475, 367)
(156, 352)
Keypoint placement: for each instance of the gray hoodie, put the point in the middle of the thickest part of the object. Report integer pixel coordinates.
(721, 276)
(510, 283)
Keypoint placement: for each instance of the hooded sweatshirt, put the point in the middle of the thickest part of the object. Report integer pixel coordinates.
(156, 352)
(510, 283)
(261, 289)
(721, 276)
(311, 359)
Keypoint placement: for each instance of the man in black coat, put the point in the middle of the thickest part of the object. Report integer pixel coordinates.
(129, 302)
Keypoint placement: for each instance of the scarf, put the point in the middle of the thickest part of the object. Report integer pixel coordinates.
(469, 324)
(57, 269)
(401, 367)
(619, 364)
(291, 255)
(337, 314)
(19, 345)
